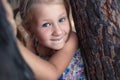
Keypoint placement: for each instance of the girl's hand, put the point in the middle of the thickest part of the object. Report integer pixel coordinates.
(9, 15)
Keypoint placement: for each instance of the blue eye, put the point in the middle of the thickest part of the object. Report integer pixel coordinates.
(61, 19)
(46, 25)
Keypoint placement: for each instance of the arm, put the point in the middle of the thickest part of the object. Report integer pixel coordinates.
(51, 70)
(9, 15)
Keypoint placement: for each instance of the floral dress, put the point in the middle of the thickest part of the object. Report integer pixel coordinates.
(75, 70)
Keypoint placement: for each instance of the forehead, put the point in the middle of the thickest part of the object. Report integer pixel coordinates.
(33, 3)
(46, 10)
(47, 1)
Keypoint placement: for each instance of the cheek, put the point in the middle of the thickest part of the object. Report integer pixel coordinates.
(67, 27)
(42, 35)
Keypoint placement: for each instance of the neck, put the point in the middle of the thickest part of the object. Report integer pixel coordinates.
(44, 51)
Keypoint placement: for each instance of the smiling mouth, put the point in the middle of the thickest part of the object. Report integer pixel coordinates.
(56, 39)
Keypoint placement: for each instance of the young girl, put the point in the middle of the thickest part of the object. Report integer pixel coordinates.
(48, 21)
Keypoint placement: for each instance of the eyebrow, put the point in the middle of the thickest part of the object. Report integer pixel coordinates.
(64, 13)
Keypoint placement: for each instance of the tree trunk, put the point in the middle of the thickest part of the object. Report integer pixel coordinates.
(97, 24)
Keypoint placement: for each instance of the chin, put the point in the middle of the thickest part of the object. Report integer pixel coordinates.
(58, 47)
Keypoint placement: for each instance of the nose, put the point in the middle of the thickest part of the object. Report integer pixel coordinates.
(57, 30)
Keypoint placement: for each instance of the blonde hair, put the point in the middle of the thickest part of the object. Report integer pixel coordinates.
(27, 5)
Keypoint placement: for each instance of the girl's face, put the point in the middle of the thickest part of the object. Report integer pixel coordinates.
(51, 25)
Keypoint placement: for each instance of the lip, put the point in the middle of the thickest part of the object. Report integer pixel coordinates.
(58, 39)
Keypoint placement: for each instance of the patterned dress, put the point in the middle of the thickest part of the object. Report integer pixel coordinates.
(75, 70)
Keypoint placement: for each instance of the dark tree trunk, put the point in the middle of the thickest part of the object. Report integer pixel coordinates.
(97, 24)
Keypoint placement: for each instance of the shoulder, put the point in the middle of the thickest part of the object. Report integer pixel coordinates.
(73, 40)
(73, 36)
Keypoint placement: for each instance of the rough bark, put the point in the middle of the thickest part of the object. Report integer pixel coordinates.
(97, 24)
